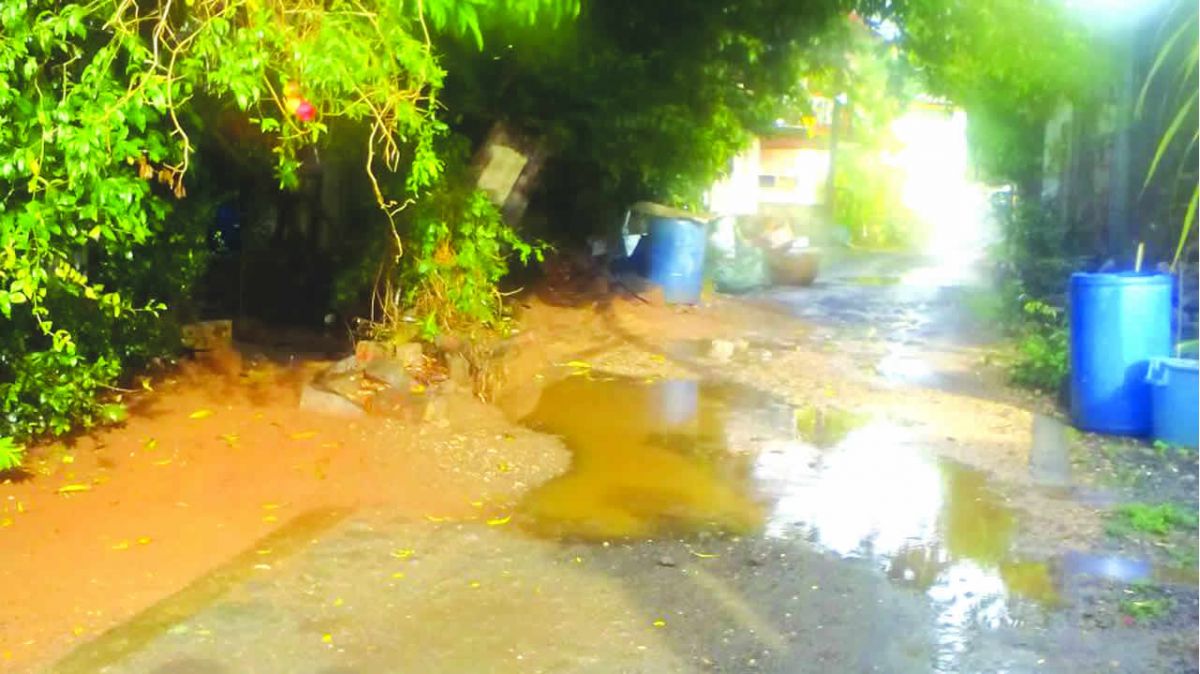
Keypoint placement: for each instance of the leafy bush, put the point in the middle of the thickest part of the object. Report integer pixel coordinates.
(1158, 520)
(459, 249)
(95, 143)
(1032, 277)
(10, 454)
(1041, 356)
(52, 391)
(869, 201)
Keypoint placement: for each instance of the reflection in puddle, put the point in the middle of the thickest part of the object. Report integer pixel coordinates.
(1109, 567)
(905, 365)
(928, 524)
(675, 457)
(648, 458)
(871, 281)
(825, 426)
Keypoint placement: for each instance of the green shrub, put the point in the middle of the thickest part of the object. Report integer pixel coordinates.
(1040, 361)
(99, 132)
(10, 454)
(52, 391)
(1158, 520)
(459, 252)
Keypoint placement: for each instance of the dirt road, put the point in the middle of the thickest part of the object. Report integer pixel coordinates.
(818, 479)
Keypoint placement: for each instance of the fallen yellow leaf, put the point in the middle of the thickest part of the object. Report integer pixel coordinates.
(162, 462)
(303, 435)
(497, 521)
(270, 506)
(503, 467)
(702, 555)
(230, 439)
(398, 575)
(150, 443)
(417, 388)
(403, 554)
(200, 414)
(660, 623)
(77, 630)
(263, 551)
(338, 602)
(436, 518)
(581, 364)
(476, 583)
(270, 518)
(144, 540)
(123, 545)
(73, 488)
(476, 504)
(327, 638)
(658, 358)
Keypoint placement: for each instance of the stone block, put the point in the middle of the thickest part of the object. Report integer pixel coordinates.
(320, 401)
(388, 371)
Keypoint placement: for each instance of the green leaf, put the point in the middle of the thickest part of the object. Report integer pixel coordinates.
(114, 413)
(11, 454)
(1186, 111)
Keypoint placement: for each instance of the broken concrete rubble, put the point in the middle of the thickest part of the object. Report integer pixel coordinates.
(379, 379)
(314, 399)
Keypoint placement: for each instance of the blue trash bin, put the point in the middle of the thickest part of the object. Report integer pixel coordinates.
(1118, 323)
(1176, 400)
(675, 257)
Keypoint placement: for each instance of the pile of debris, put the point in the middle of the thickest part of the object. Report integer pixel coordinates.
(392, 380)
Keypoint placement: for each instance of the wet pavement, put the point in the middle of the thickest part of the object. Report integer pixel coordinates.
(703, 526)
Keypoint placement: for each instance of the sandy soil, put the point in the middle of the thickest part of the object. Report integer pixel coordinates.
(215, 458)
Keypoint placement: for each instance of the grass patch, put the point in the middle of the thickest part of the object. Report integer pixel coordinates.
(1145, 602)
(1157, 520)
(1164, 450)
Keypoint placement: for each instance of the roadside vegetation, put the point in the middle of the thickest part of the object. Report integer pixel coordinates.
(1154, 519)
(1144, 602)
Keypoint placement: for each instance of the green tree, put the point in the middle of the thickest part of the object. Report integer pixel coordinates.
(1008, 63)
(96, 145)
(643, 100)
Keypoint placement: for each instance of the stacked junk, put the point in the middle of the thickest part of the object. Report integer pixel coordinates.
(673, 249)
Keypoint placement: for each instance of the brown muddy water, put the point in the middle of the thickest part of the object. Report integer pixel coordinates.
(669, 458)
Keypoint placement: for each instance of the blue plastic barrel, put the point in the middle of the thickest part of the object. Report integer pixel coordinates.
(1118, 323)
(1176, 400)
(675, 258)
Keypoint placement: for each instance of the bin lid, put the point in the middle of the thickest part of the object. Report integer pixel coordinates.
(1159, 370)
(1124, 278)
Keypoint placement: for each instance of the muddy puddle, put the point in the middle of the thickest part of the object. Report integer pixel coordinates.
(649, 458)
(659, 458)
